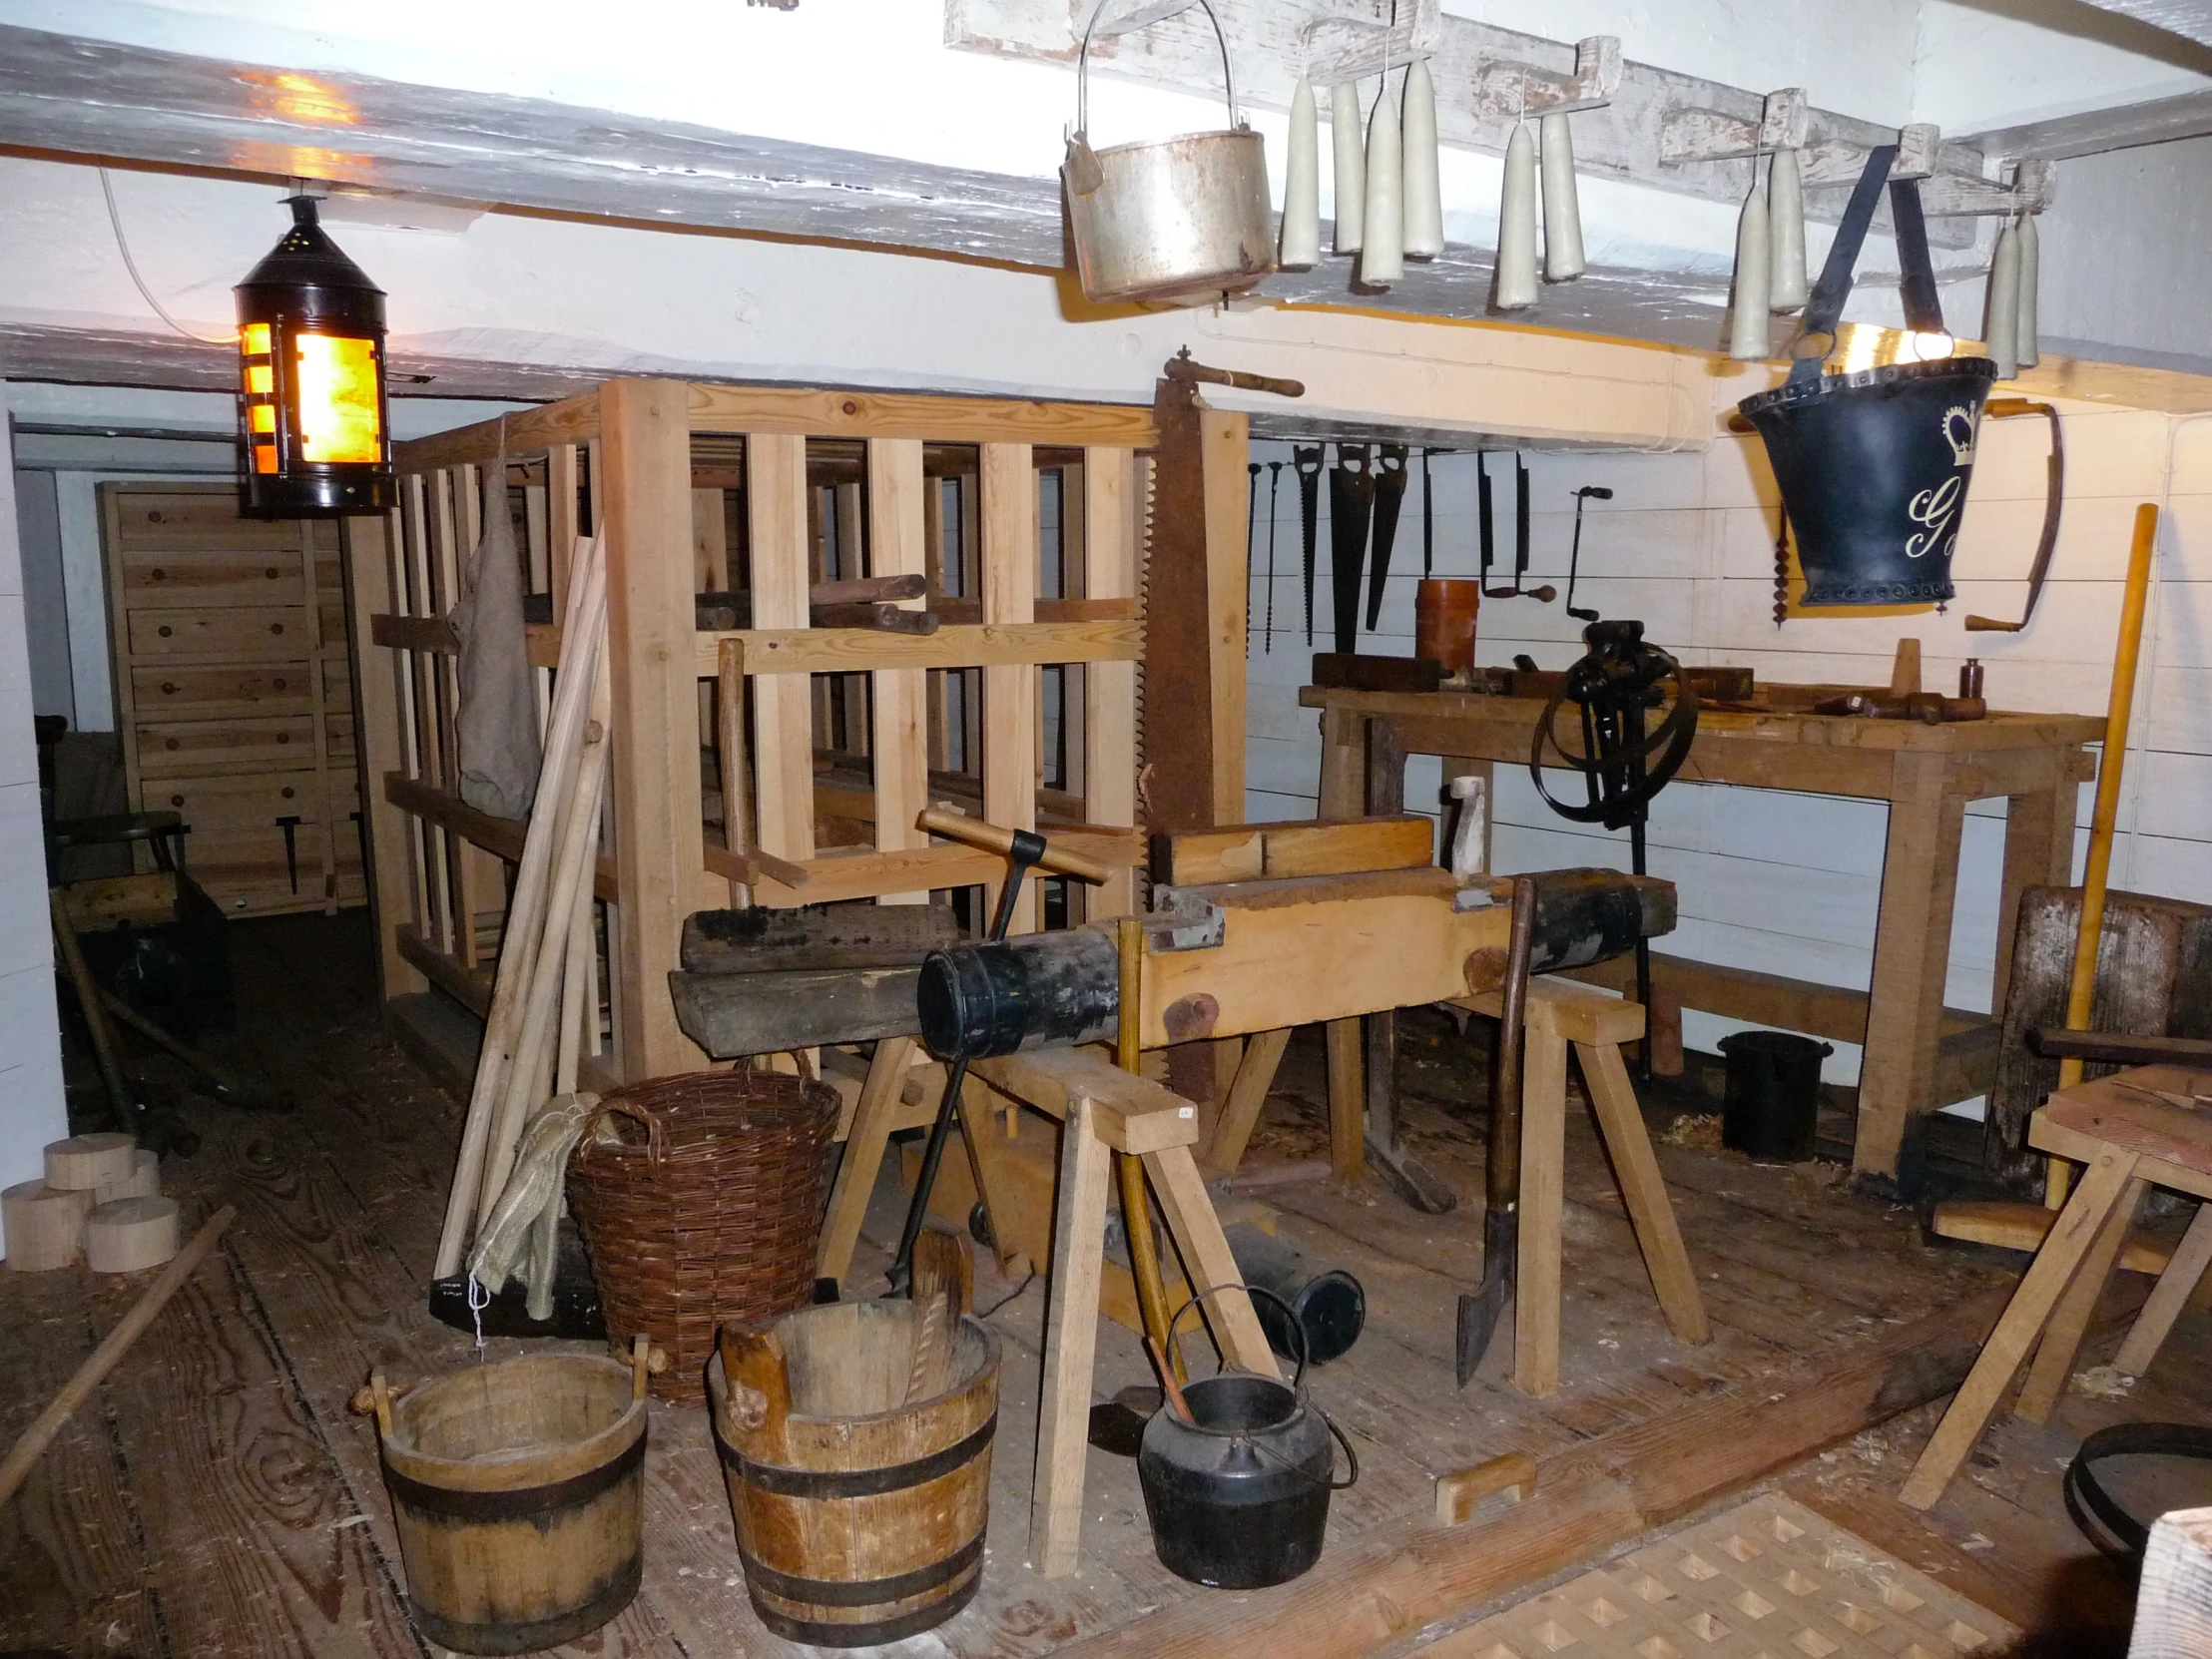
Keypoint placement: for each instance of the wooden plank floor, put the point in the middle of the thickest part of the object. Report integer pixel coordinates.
(217, 1497)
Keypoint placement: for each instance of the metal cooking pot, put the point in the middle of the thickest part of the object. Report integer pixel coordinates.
(1238, 1497)
(1178, 218)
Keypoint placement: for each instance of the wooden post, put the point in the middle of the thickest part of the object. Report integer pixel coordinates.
(900, 745)
(782, 707)
(1920, 880)
(380, 748)
(1070, 1344)
(1109, 552)
(1010, 694)
(645, 438)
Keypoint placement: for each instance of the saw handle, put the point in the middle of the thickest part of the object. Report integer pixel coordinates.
(989, 838)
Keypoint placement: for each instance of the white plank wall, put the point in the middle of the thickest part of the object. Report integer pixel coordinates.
(1788, 883)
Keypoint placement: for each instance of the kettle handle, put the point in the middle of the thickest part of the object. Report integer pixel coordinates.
(1083, 69)
(1298, 1378)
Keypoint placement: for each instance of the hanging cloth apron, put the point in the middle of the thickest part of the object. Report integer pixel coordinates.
(496, 726)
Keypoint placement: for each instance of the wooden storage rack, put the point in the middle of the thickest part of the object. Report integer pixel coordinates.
(706, 489)
(233, 693)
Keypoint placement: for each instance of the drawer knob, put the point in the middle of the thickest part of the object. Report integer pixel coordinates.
(172, 743)
(283, 736)
(169, 687)
(164, 630)
(159, 575)
(287, 791)
(271, 573)
(279, 683)
(275, 628)
(176, 801)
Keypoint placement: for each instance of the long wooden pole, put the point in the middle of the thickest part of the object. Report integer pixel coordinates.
(2117, 711)
(574, 860)
(525, 911)
(104, 1358)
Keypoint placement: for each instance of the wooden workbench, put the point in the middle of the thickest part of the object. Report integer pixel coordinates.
(1927, 774)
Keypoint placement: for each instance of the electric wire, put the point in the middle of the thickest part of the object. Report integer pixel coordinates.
(122, 246)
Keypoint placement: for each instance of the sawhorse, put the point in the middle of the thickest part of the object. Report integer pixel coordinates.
(1101, 1110)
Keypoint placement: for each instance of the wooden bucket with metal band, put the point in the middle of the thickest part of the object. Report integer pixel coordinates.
(860, 1514)
(516, 1489)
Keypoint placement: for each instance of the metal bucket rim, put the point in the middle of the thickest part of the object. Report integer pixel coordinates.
(717, 1380)
(1174, 140)
(1792, 392)
(1280, 1426)
(525, 1468)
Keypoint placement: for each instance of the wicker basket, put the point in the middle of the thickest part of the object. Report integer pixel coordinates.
(710, 1216)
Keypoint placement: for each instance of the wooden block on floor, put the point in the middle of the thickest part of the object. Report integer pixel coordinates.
(131, 1235)
(144, 1180)
(84, 1163)
(43, 1227)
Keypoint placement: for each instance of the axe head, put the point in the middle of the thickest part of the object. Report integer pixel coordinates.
(1480, 1310)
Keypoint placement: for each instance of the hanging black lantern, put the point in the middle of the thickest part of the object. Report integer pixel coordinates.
(312, 420)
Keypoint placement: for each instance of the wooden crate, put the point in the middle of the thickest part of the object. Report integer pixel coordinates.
(234, 695)
(1025, 518)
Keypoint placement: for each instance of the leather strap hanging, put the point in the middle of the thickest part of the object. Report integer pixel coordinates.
(1825, 309)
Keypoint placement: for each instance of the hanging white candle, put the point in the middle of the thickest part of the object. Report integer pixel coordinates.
(1562, 208)
(1423, 194)
(1516, 277)
(1350, 176)
(1749, 340)
(1301, 243)
(2028, 351)
(1786, 286)
(2000, 321)
(1382, 243)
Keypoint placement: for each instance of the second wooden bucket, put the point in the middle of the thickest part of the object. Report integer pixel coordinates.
(855, 1442)
(517, 1491)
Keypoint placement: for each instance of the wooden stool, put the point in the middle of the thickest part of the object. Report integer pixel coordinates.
(1560, 1012)
(2131, 1130)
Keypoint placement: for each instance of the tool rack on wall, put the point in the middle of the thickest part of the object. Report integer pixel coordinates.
(1029, 521)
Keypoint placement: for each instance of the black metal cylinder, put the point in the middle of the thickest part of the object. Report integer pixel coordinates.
(980, 1000)
(1590, 916)
(1331, 1305)
(1773, 1104)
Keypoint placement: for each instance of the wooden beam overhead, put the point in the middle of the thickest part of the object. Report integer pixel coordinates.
(1477, 69)
(2161, 121)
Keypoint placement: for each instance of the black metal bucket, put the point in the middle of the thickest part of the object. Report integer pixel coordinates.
(1872, 468)
(1772, 1109)
(1239, 1496)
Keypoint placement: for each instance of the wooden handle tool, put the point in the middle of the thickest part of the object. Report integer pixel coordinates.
(991, 838)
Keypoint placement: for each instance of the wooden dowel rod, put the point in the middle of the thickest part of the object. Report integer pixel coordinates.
(102, 1359)
(2082, 991)
(525, 913)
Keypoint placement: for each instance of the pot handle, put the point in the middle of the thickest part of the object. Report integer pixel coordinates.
(1297, 1380)
(1350, 1457)
(1083, 68)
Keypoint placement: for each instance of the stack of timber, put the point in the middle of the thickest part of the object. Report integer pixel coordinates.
(761, 982)
(99, 1202)
(543, 1012)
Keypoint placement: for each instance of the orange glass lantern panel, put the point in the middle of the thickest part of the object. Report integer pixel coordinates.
(335, 380)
